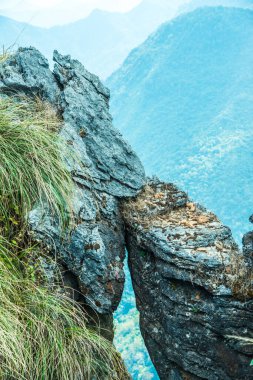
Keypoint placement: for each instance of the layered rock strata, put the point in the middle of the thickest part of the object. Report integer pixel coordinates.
(103, 166)
(192, 285)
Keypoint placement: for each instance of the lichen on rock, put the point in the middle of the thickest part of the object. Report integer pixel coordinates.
(195, 318)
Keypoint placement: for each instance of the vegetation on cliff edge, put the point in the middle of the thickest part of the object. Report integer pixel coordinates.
(44, 334)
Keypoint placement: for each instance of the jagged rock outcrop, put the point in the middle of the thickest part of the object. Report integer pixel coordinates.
(192, 286)
(103, 166)
(192, 283)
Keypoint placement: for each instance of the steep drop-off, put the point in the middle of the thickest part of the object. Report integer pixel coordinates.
(103, 167)
(193, 285)
(184, 101)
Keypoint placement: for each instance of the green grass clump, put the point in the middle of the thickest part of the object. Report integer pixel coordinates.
(4, 55)
(31, 166)
(43, 334)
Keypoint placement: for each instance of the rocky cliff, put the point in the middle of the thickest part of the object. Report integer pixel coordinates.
(103, 166)
(192, 283)
(193, 287)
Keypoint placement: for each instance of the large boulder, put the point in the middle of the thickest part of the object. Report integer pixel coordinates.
(193, 287)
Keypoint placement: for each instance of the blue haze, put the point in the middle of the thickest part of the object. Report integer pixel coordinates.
(128, 339)
(184, 100)
(100, 41)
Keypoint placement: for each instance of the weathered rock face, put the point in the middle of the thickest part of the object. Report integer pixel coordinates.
(191, 283)
(103, 166)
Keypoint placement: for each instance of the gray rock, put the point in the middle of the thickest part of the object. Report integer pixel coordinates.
(103, 166)
(94, 252)
(191, 283)
(28, 71)
(248, 247)
(107, 158)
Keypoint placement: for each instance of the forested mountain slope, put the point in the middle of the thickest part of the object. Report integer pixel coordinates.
(184, 99)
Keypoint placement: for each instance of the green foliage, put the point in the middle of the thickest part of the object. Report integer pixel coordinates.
(142, 253)
(195, 309)
(31, 166)
(44, 333)
(4, 55)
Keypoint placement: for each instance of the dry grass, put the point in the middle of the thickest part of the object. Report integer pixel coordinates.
(152, 205)
(166, 207)
(4, 55)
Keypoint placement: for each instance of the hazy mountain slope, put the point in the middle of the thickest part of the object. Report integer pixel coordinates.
(193, 4)
(101, 41)
(184, 100)
(14, 34)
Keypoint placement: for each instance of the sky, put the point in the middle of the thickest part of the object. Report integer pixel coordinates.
(47, 13)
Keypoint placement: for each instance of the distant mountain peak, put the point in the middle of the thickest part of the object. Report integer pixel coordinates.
(101, 41)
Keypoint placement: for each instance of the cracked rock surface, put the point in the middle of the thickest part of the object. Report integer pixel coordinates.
(106, 169)
(192, 285)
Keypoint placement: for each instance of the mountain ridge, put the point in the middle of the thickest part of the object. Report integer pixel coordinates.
(185, 85)
(116, 34)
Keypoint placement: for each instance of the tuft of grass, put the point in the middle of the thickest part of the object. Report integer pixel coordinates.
(4, 55)
(44, 334)
(32, 169)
